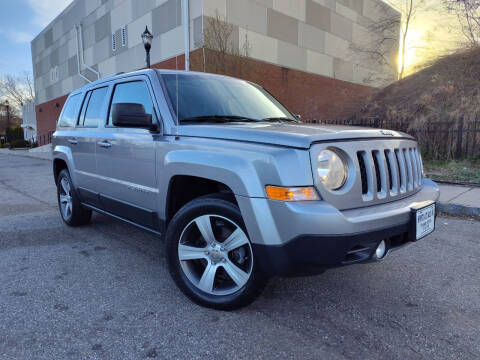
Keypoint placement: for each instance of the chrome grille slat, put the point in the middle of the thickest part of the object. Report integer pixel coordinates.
(380, 168)
(403, 170)
(419, 166)
(394, 177)
(406, 156)
(371, 178)
(414, 167)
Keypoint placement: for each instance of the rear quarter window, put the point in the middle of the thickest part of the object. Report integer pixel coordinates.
(69, 114)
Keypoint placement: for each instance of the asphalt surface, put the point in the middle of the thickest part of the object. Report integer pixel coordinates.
(103, 291)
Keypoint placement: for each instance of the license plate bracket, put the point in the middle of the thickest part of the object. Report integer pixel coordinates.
(422, 223)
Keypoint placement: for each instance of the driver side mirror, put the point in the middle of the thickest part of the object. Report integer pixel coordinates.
(132, 115)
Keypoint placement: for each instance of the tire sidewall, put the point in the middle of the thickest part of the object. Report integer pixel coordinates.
(184, 216)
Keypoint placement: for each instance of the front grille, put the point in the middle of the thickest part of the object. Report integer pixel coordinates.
(380, 171)
(396, 171)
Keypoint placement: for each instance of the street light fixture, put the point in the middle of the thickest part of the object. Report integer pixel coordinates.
(147, 43)
(7, 106)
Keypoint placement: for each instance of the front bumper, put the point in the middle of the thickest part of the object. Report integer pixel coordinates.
(308, 237)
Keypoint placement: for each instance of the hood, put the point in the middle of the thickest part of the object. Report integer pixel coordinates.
(292, 135)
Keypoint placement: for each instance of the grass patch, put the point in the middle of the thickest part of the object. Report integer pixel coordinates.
(455, 171)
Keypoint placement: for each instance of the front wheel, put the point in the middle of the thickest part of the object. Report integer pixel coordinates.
(210, 255)
(71, 210)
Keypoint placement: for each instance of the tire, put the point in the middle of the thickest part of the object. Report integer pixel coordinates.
(237, 279)
(71, 210)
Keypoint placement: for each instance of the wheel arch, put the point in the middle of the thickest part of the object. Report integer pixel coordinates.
(185, 188)
(63, 159)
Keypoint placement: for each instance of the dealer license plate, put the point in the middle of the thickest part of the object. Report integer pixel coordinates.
(425, 221)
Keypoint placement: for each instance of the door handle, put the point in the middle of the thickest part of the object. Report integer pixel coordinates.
(104, 144)
(73, 141)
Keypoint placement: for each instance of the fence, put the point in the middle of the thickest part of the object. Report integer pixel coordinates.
(45, 138)
(438, 139)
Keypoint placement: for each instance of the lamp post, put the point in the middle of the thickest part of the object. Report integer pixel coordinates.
(147, 43)
(7, 106)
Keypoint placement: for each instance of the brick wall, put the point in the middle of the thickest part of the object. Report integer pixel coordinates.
(310, 95)
(47, 116)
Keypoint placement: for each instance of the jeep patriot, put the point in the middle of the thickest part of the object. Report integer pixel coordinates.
(237, 186)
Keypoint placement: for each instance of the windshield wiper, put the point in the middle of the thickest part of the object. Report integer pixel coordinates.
(218, 118)
(280, 118)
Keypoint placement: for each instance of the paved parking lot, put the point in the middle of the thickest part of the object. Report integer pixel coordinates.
(103, 292)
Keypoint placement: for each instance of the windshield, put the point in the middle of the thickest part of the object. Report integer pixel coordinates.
(212, 98)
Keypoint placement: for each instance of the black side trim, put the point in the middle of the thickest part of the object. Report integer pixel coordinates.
(136, 214)
(126, 220)
(122, 210)
(89, 197)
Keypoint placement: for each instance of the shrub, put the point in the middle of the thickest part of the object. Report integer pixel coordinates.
(14, 133)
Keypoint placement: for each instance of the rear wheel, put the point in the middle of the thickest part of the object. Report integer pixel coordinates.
(210, 255)
(71, 210)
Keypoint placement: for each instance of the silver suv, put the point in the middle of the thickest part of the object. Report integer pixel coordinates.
(237, 186)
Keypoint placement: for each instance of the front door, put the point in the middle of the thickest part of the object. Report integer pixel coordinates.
(83, 143)
(126, 160)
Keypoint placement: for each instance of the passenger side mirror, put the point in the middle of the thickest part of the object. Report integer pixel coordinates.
(131, 115)
(298, 117)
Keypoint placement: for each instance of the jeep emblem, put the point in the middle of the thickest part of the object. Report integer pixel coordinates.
(387, 132)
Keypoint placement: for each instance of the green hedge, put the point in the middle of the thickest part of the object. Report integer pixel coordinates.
(14, 133)
(15, 137)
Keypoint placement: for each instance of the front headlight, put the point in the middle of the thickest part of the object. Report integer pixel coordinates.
(331, 169)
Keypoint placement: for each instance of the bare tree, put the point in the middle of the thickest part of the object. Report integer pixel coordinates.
(223, 52)
(389, 33)
(376, 44)
(468, 14)
(18, 90)
(408, 16)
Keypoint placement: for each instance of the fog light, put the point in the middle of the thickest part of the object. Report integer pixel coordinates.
(381, 250)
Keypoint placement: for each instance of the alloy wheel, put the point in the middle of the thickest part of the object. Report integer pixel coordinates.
(215, 255)
(65, 199)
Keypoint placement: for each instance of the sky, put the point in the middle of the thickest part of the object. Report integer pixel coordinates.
(20, 22)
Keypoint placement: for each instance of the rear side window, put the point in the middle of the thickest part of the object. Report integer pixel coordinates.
(95, 99)
(132, 92)
(70, 112)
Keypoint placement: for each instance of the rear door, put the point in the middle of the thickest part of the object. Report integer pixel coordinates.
(126, 159)
(84, 142)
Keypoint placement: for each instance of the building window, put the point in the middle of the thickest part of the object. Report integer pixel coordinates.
(114, 42)
(54, 74)
(124, 35)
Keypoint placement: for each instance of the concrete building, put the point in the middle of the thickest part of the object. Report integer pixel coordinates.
(304, 48)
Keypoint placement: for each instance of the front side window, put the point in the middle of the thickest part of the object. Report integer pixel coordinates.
(93, 113)
(70, 112)
(135, 92)
(199, 96)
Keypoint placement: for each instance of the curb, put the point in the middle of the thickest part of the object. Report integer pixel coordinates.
(26, 153)
(456, 209)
